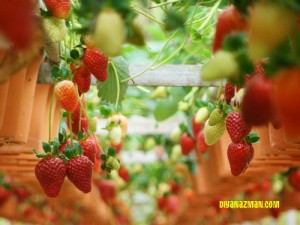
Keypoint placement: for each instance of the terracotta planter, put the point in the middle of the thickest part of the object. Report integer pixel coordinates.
(18, 106)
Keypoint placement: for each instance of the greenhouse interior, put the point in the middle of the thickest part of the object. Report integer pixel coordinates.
(149, 112)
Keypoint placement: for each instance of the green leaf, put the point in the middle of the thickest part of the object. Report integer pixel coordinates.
(103, 166)
(46, 147)
(108, 90)
(55, 72)
(111, 151)
(164, 109)
(55, 147)
(105, 111)
(80, 135)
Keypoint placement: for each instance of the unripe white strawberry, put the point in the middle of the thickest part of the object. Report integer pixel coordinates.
(175, 135)
(176, 153)
(183, 106)
(109, 32)
(201, 115)
(115, 135)
(223, 65)
(119, 119)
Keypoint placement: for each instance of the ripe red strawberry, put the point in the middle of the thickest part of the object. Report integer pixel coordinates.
(161, 203)
(228, 21)
(187, 143)
(21, 193)
(196, 126)
(200, 142)
(107, 190)
(82, 77)
(259, 71)
(59, 8)
(258, 105)
(17, 22)
(89, 149)
(75, 124)
(172, 204)
(118, 147)
(66, 94)
(239, 157)
(230, 91)
(4, 195)
(79, 172)
(124, 174)
(294, 179)
(175, 187)
(287, 102)
(236, 127)
(51, 173)
(63, 146)
(96, 62)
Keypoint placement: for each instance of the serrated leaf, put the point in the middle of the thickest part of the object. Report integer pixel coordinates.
(108, 90)
(55, 147)
(46, 147)
(164, 109)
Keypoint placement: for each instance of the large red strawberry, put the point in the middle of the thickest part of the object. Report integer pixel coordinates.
(200, 142)
(230, 91)
(228, 21)
(187, 143)
(294, 179)
(59, 8)
(236, 127)
(51, 173)
(124, 174)
(79, 172)
(96, 62)
(66, 94)
(287, 102)
(258, 104)
(239, 157)
(89, 149)
(82, 77)
(108, 190)
(17, 22)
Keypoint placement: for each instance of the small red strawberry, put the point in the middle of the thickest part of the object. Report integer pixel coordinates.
(96, 62)
(200, 142)
(108, 190)
(294, 179)
(187, 143)
(124, 174)
(89, 149)
(230, 91)
(258, 104)
(75, 124)
(258, 71)
(118, 147)
(66, 94)
(59, 8)
(196, 126)
(82, 77)
(79, 172)
(236, 127)
(51, 173)
(4, 194)
(239, 157)
(175, 187)
(228, 21)
(162, 202)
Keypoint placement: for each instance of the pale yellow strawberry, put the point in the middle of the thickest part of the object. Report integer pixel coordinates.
(109, 34)
(216, 116)
(55, 29)
(213, 133)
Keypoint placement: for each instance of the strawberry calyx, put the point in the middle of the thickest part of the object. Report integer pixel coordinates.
(72, 151)
(252, 138)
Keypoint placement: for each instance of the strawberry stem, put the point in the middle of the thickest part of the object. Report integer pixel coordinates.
(154, 61)
(118, 83)
(50, 116)
(70, 127)
(219, 89)
(80, 112)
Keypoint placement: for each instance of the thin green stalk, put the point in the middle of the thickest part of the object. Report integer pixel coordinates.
(219, 89)
(154, 61)
(143, 89)
(50, 117)
(146, 13)
(164, 3)
(211, 13)
(191, 93)
(118, 83)
(80, 114)
(70, 127)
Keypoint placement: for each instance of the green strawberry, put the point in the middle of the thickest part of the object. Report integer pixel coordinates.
(109, 32)
(55, 29)
(201, 115)
(213, 133)
(113, 163)
(216, 116)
